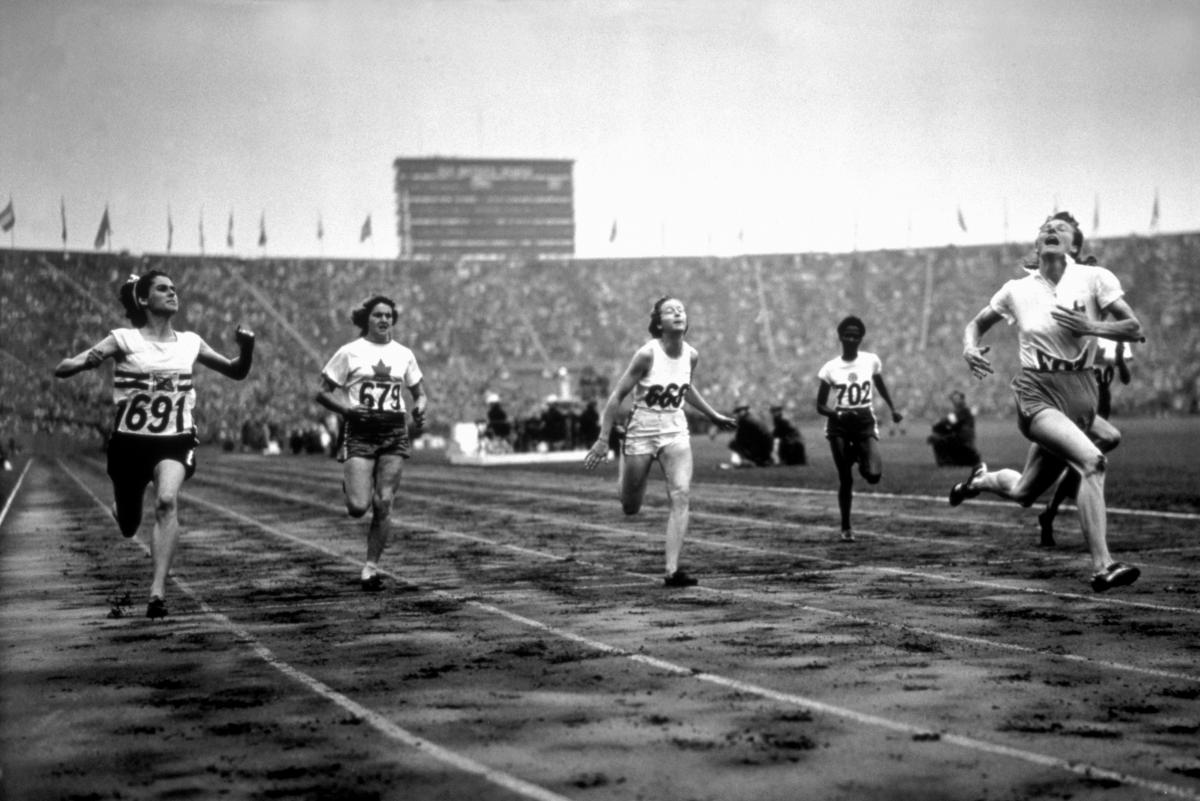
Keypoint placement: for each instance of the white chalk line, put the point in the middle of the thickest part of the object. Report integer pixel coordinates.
(918, 732)
(374, 719)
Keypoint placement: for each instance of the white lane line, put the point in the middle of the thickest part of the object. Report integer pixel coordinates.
(8, 502)
(369, 716)
(917, 732)
(768, 552)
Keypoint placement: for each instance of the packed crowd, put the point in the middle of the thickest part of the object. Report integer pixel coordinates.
(763, 326)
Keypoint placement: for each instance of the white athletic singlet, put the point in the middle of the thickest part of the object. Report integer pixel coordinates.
(1044, 344)
(658, 397)
(152, 383)
(852, 382)
(372, 376)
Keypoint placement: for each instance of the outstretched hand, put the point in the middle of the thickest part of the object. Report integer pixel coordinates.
(725, 423)
(244, 337)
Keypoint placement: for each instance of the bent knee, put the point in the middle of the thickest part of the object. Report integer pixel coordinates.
(1097, 465)
(357, 509)
(873, 478)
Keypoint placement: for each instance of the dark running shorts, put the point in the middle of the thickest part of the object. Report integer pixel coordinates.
(132, 458)
(369, 437)
(854, 426)
(1072, 392)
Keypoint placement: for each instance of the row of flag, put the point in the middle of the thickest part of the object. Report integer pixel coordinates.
(8, 220)
(962, 223)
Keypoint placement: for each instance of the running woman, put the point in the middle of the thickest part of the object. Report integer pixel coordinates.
(364, 383)
(1059, 309)
(154, 437)
(850, 424)
(660, 378)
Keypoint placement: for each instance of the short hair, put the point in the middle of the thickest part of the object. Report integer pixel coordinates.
(138, 286)
(851, 320)
(362, 313)
(1077, 237)
(655, 327)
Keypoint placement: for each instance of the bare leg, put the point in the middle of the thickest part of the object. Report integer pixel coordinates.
(168, 480)
(676, 460)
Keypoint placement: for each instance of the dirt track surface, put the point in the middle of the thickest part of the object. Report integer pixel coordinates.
(523, 647)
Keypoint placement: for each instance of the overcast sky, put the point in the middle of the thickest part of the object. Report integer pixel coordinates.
(699, 127)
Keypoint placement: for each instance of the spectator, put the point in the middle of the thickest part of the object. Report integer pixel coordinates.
(789, 444)
(953, 437)
(752, 443)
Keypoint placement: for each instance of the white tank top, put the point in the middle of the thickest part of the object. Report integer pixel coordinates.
(664, 388)
(152, 383)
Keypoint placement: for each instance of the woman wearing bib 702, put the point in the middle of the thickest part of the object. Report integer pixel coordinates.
(154, 436)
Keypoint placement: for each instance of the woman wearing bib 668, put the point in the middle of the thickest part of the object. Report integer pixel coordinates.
(1059, 310)
(154, 437)
(364, 383)
(660, 376)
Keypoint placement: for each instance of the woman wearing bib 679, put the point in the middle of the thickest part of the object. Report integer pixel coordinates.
(364, 383)
(660, 376)
(154, 437)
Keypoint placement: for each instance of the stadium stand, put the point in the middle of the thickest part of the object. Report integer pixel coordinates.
(762, 323)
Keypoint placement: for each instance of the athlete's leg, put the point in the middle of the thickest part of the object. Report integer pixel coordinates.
(843, 460)
(633, 472)
(358, 482)
(676, 460)
(128, 497)
(1042, 468)
(388, 469)
(1055, 431)
(870, 463)
(168, 480)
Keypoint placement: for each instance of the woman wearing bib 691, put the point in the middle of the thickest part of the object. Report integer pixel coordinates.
(154, 436)
(660, 376)
(364, 383)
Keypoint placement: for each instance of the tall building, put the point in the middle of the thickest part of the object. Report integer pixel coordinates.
(452, 207)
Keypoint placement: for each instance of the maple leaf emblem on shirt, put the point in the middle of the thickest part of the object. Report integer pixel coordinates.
(382, 370)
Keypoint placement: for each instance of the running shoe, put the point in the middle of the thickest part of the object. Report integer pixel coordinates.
(1115, 575)
(680, 579)
(964, 489)
(156, 608)
(372, 583)
(847, 536)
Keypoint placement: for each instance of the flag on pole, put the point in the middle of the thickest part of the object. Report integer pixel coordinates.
(320, 229)
(1096, 215)
(105, 230)
(8, 217)
(229, 232)
(170, 229)
(62, 210)
(201, 230)
(366, 230)
(962, 223)
(262, 230)
(1154, 212)
(612, 234)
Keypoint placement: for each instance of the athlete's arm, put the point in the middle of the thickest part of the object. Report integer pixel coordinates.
(883, 393)
(638, 367)
(89, 359)
(237, 368)
(420, 399)
(823, 407)
(327, 397)
(973, 354)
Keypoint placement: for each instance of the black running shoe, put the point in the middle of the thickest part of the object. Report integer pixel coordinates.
(1115, 575)
(372, 584)
(679, 579)
(964, 489)
(156, 608)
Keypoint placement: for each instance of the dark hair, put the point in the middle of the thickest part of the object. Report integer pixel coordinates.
(655, 327)
(1077, 237)
(362, 312)
(134, 288)
(849, 321)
